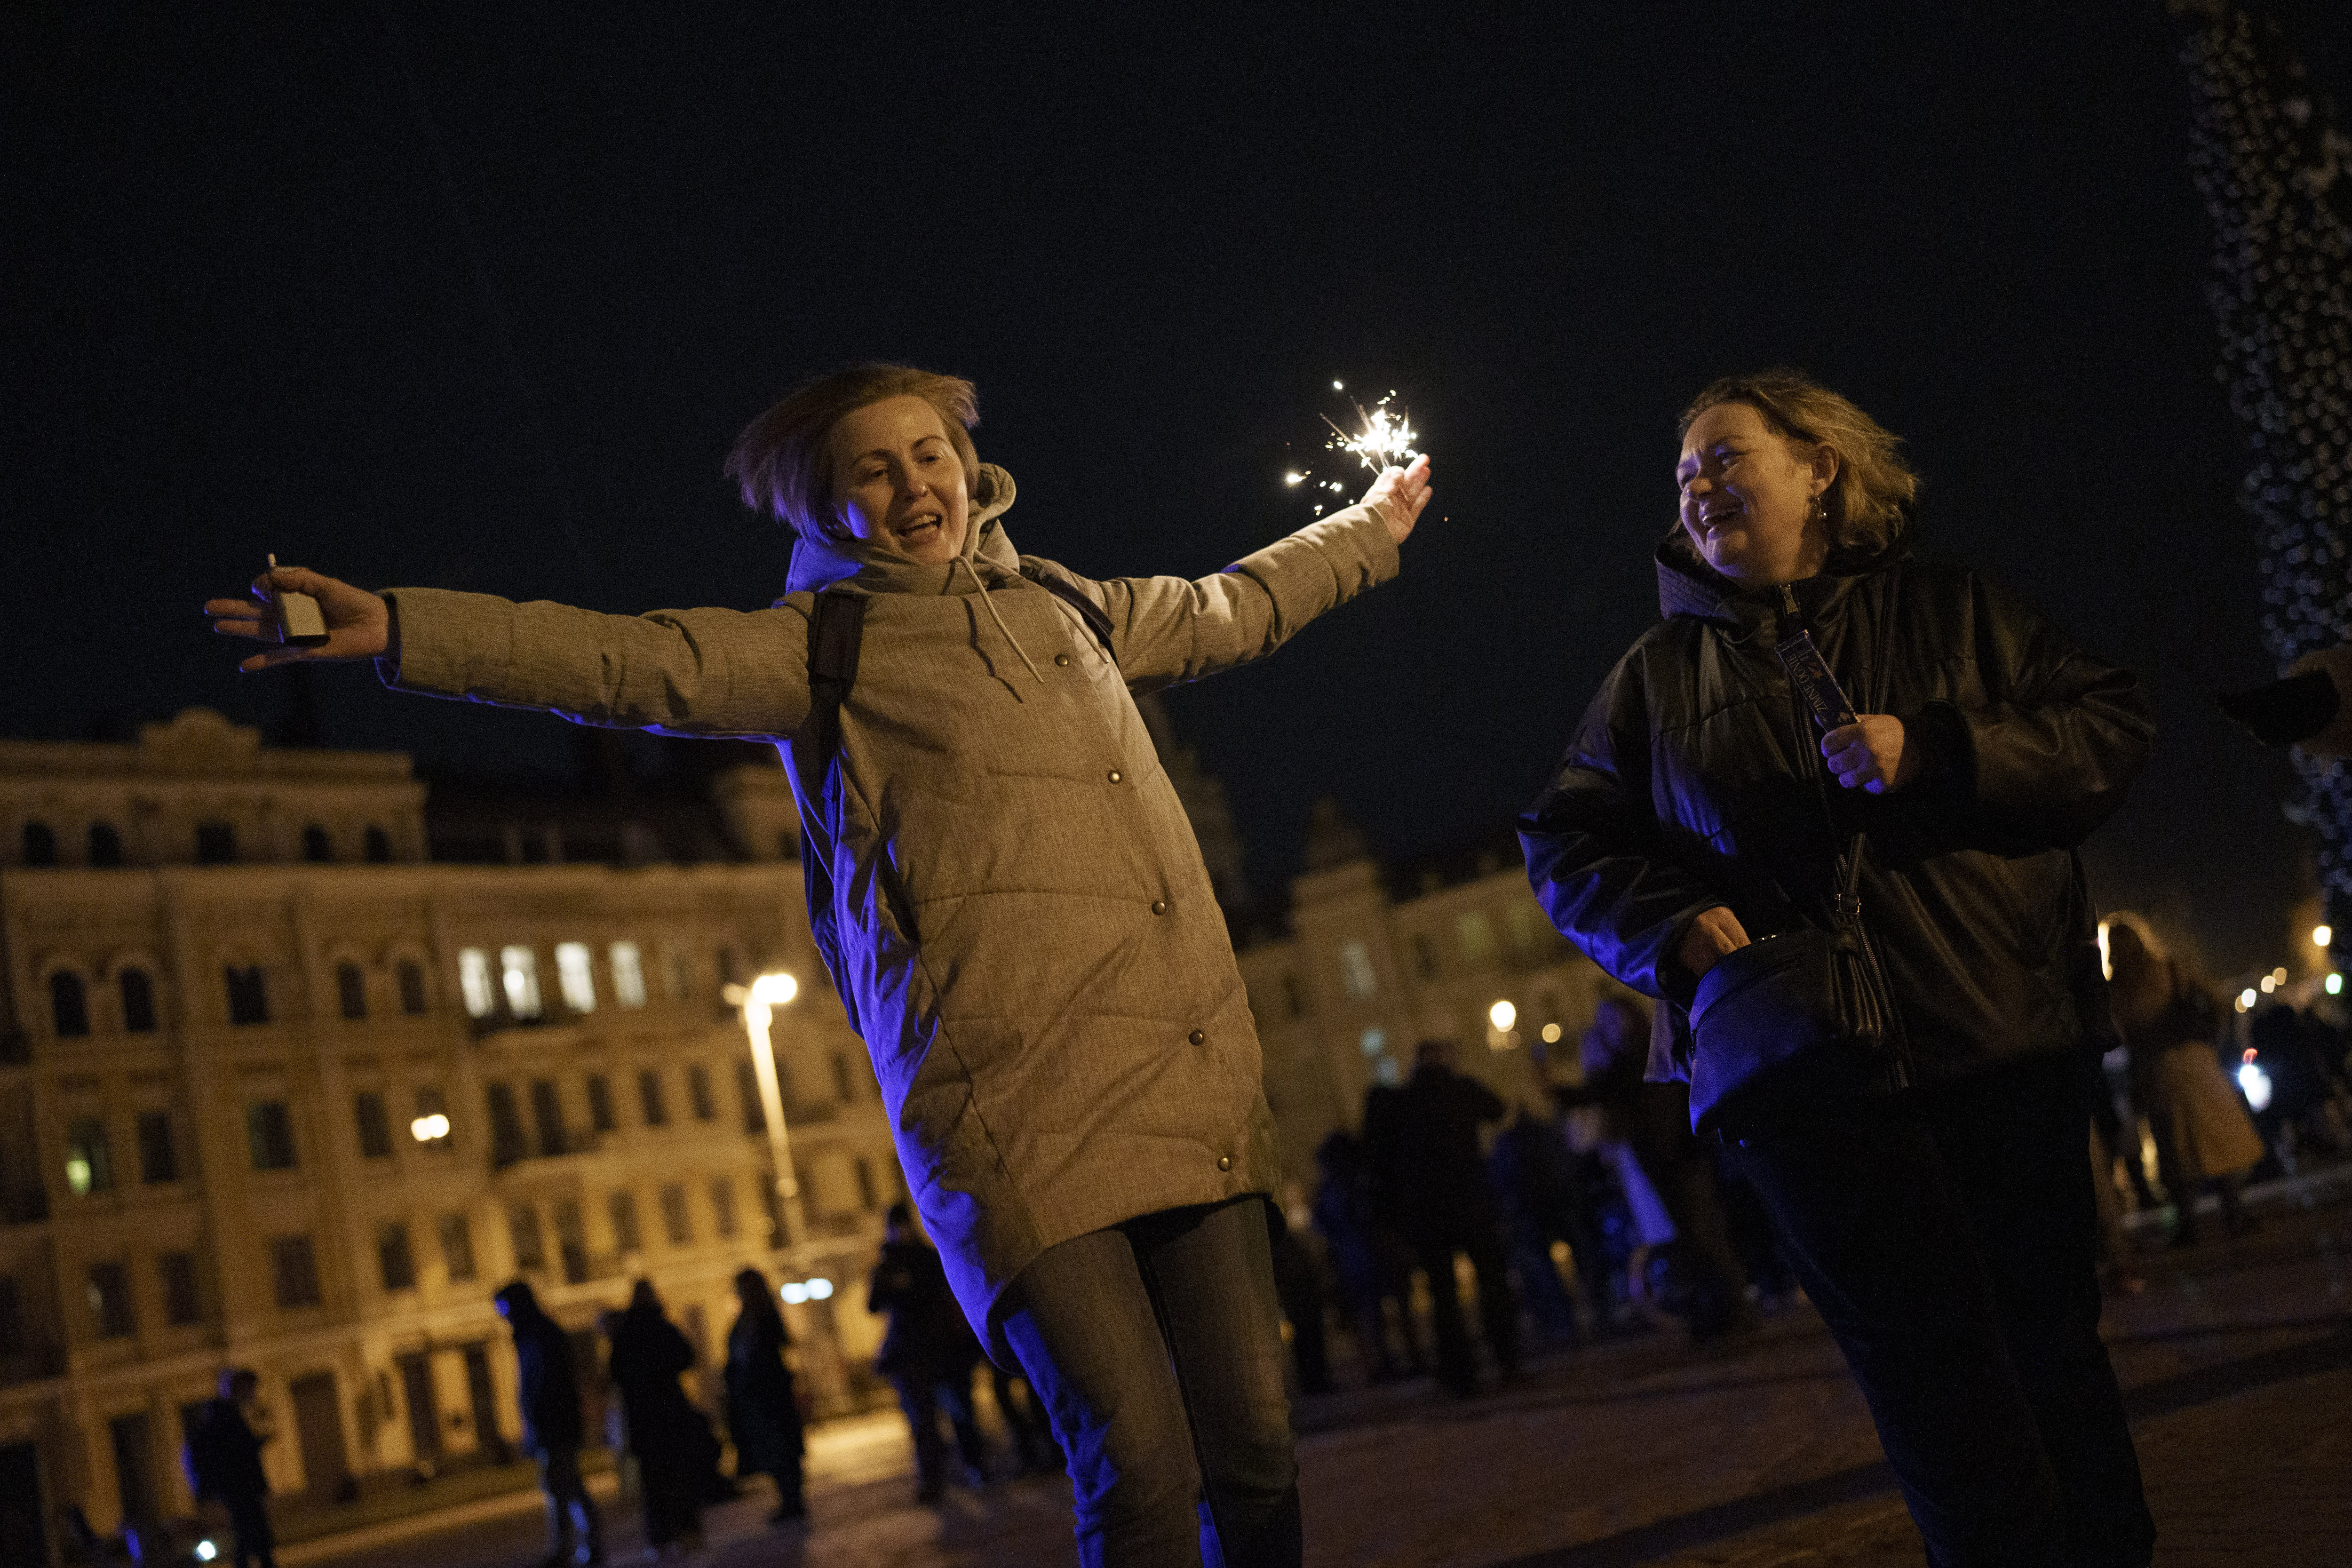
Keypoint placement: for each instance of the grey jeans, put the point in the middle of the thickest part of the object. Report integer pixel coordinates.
(1156, 1347)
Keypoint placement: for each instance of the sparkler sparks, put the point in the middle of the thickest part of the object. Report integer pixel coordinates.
(1384, 438)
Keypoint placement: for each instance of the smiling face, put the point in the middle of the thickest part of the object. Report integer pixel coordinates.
(898, 479)
(1748, 497)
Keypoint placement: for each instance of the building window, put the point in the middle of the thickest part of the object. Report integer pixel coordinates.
(393, 1258)
(183, 1302)
(375, 1125)
(457, 1247)
(599, 1102)
(474, 982)
(571, 1243)
(869, 1196)
(1476, 935)
(523, 1232)
(518, 967)
(89, 1161)
(215, 843)
(351, 990)
(40, 843)
(68, 1004)
(572, 975)
(138, 1001)
(626, 1237)
(747, 1088)
(650, 1098)
(109, 1301)
(675, 1223)
(843, 1088)
(730, 968)
(1294, 996)
(698, 1092)
(294, 1265)
(681, 975)
(629, 975)
(506, 1143)
(269, 1135)
(11, 1319)
(410, 979)
(248, 995)
(1424, 956)
(377, 845)
(159, 1161)
(722, 1204)
(317, 847)
(547, 1118)
(1356, 971)
(433, 1134)
(105, 845)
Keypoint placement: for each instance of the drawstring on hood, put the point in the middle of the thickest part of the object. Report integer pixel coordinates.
(873, 566)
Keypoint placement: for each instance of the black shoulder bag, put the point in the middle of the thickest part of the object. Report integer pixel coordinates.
(1803, 1020)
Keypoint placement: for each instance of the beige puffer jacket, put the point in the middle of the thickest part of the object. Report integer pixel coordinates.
(1029, 941)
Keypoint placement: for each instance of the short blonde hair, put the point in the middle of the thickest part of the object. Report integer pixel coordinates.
(1872, 500)
(784, 459)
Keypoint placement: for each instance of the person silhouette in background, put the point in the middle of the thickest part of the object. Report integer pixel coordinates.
(763, 1411)
(552, 1427)
(665, 1431)
(928, 1354)
(223, 1464)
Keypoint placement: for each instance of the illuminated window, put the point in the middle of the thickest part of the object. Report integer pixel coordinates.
(518, 968)
(571, 973)
(474, 981)
(1356, 971)
(89, 1161)
(629, 975)
(1476, 935)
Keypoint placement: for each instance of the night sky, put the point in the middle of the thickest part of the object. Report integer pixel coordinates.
(479, 297)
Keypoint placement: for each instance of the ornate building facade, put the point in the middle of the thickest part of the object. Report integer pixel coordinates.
(278, 1090)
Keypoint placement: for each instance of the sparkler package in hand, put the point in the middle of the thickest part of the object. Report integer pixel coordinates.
(1809, 672)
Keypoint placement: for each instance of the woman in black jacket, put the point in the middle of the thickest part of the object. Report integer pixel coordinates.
(1947, 1232)
(763, 1410)
(666, 1432)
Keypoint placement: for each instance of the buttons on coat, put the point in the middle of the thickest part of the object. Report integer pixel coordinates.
(1197, 1037)
(1116, 775)
(1225, 1161)
(1062, 659)
(1159, 906)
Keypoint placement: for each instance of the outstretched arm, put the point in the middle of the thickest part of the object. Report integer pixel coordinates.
(687, 672)
(1166, 630)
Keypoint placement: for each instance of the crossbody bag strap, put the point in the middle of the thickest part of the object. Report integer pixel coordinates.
(837, 628)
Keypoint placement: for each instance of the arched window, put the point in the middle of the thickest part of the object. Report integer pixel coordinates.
(40, 843)
(351, 990)
(412, 987)
(105, 845)
(68, 1004)
(317, 847)
(138, 1001)
(379, 845)
(249, 994)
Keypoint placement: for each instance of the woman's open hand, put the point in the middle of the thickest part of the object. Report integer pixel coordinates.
(359, 623)
(1399, 494)
(1869, 753)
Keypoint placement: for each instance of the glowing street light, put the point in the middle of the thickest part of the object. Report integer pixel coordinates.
(759, 1003)
(429, 1129)
(2322, 935)
(1502, 1014)
(2246, 1000)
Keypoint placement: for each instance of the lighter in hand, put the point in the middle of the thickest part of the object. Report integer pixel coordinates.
(299, 624)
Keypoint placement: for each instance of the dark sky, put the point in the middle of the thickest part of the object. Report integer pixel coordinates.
(480, 295)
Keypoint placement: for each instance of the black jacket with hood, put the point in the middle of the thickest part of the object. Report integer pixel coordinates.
(1691, 782)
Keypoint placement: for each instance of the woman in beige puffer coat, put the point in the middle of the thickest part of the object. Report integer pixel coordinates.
(1026, 935)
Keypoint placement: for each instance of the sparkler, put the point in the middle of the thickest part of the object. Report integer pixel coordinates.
(1384, 438)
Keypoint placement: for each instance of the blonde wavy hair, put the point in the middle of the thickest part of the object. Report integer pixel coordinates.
(783, 460)
(1872, 501)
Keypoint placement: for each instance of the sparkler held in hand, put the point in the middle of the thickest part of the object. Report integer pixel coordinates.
(1384, 443)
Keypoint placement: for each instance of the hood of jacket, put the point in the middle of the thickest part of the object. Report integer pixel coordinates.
(1687, 585)
(875, 567)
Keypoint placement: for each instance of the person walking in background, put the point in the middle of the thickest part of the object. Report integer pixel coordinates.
(665, 1431)
(548, 1392)
(928, 1354)
(1529, 1168)
(2171, 1020)
(763, 1409)
(1025, 1420)
(1948, 1234)
(223, 1465)
(1299, 1284)
(1428, 1150)
(1369, 1264)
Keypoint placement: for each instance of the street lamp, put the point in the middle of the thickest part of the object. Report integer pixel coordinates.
(2322, 935)
(767, 994)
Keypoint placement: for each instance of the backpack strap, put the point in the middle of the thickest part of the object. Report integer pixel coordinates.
(1097, 618)
(835, 630)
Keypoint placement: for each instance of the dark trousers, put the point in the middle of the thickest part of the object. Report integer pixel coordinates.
(1950, 1242)
(571, 1517)
(248, 1521)
(925, 1400)
(1157, 1348)
(1435, 1239)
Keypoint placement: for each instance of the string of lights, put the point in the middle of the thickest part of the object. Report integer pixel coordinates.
(2277, 177)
